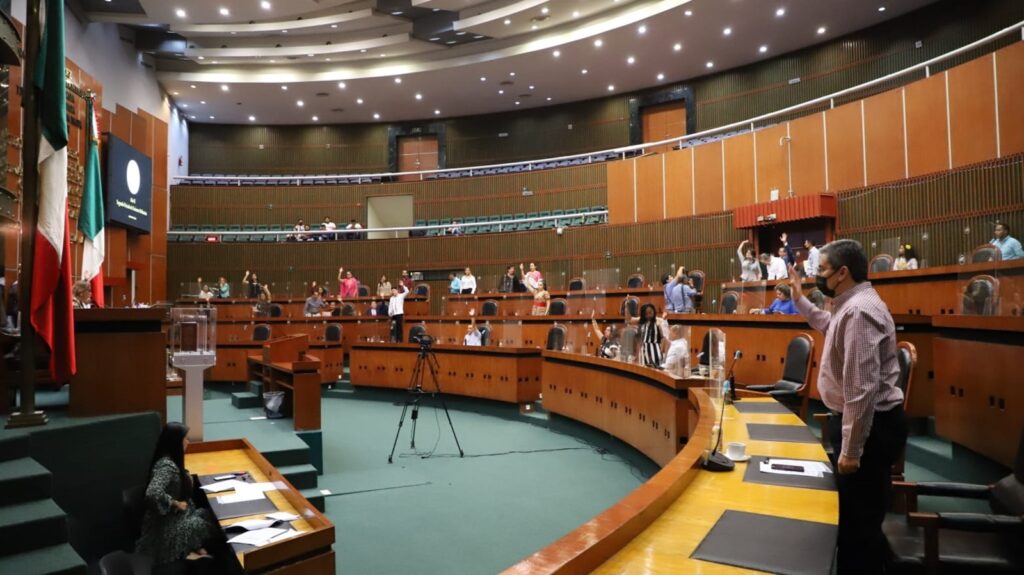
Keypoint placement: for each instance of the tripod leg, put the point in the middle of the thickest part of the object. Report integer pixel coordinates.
(434, 368)
(415, 418)
(452, 426)
(398, 432)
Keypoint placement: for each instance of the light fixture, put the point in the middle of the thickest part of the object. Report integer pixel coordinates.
(611, 87)
(544, 10)
(213, 118)
(763, 49)
(881, 8)
(284, 31)
(224, 88)
(203, 102)
(435, 38)
(517, 102)
(483, 78)
(575, 13)
(419, 96)
(501, 92)
(201, 58)
(334, 25)
(533, 27)
(631, 60)
(316, 118)
(451, 42)
(780, 12)
(174, 93)
(180, 13)
(727, 31)
(822, 30)
(661, 76)
(342, 85)
(398, 80)
(549, 98)
(285, 88)
(193, 86)
(513, 74)
(252, 118)
(193, 116)
(532, 86)
(184, 105)
(507, 21)
(709, 64)
(598, 43)
(642, 29)
(359, 101)
(265, 5)
(556, 53)
(677, 47)
(224, 11)
(299, 103)
(437, 112)
(376, 116)
(396, 13)
(688, 13)
(583, 71)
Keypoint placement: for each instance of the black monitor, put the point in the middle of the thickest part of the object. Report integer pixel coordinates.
(129, 186)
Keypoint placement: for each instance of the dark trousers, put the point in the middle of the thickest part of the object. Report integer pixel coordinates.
(864, 496)
(396, 328)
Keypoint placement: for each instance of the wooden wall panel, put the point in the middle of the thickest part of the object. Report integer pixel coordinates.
(739, 171)
(808, 135)
(845, 147)
(650, 188)
(927, 136)
(679, 183)
(621, 193)
(708, 175)
(883, 130)
(972, 111)
(772, 167)
(1010, 77)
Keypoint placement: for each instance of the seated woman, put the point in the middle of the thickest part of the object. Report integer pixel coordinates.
(609, 346)
(172, 527)
(906, 258)
(783, 303)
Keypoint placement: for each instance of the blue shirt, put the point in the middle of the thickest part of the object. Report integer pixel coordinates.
(1010, 248)
(680, 297)
(786, 307)
(456, 286)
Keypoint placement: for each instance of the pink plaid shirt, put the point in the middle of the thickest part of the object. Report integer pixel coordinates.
(859, 368)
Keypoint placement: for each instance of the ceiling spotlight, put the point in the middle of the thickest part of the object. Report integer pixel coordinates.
(507, 21)
(213, 117)
(359, 101)
(284, 31)
(642, 29)
(513, 74)
(285, 88)
(435, 38)
(780, 12)
(272, 61)
(252, 118)
(419, 96)
(611, 87)
(661, 77)
(265, 5)
(763, 49)
(631, 60)
(224, 11)
(544, 10)
(203, 102)
(598, 43)
(727, 31)
(575, 13)
(501, 91)
(398, 80)
(316, 118)
(483, 78)
(533, 27)
(532, 86)
(201, 58)
(299, 103)
(437, 112)
(376, 116)
(822, 30)
(688, 13)
(180, 13)
(881, 8)
(556, 53)
(184, 105)
(396, 13)
(583, 71)
(517, 102)
(174, 93)
(451, 42)
(193, 86)
(677, 47)
(342, 85)
(193, 116)
(549, 98)
(334, 25)
(709, 64)
(224, 88)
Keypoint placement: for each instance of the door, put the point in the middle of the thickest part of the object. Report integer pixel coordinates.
(416, 153)
(663, 121)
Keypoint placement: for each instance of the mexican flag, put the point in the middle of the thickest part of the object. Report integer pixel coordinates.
(90, 218)
(52, 315)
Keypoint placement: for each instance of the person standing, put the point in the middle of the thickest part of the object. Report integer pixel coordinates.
(813, 260)
(396, 311)
(652, 331)
(468, 282)
(532, 279)
(750, 270)
(253, 287)
(777, 264)
(223, 289)
(1007, 244)
(455, 284)
(349, 286)
(473, 337)
(677, 358)
(383, 287)
(906, 258)
(857, 382)
(508, 281)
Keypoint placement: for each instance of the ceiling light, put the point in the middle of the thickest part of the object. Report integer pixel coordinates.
(398, 80)
(549, 98)
(175, 93)
(212, 117)
(265, 5)
(631, 60)
(507, 21)
(575, 13)
(419, 96)
(501, 91)
(688, 13)
(780, 12)
(272, 61)
(583, 71)
(727, 31)
(556, 53)
(435, 38)
(611, 87)
(544, 10)
(709, 64)
(316, 118)
(203, 102)
(881, 8)
(437, 112)
(299, 103)
(201, 57)
(180, 13)
(224, 11)
(224, 88)
(478, 37)
(513, 74)
(334, 25)
(376, 116)
(763, 49)
(532, 86)
(214, 62)
(193, 116)
(284, 31)
(359, 101)
(463, 33)
(396, 13)
(533, 27)
(284, 88)
(661, 76)
(677, 47)
(483, 78)
(193, 86)
(450, 42)
(517, 102)
(642, 29)
(822, 30)
(598, 43)
(342, 85)
(383, 55)
(184, 105)
(252, 118)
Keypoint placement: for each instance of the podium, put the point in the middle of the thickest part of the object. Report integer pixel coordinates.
(122, 358)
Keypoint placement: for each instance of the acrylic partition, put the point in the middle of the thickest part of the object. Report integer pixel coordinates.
(992, 292)
(715, 372)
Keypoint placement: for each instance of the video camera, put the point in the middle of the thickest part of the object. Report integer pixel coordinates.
(425, 340)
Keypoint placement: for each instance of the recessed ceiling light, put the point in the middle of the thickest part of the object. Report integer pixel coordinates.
(598, 43)
(501, 91)
(193, 116)
(435, 39)
(881, 8)
(316, 118)
(611, 87)
(763, 49)
(398, 80)
(252, 118)
(437, 112)
(677, 47)
(450, 42)
(214, 62)
(478, 37)
(507, 21)
(575, 13)
(549, 98)
(483, 78)
(334, 25)
(631, 60)
(583, 71)
(780, 12)
(822, 30)
(396, 13)
(383, 55)
(174, 93)
(284, 31)
(661, 76)
(376, 116)
(419, 96)
(184, 105)
(642, 29)
(544, 10)
(203, 102)
(709, 64)
(532, 86)
(513, 74)
(201, 58)
(224, 11)
(224, 88)
(463, 33)
(688, 13)
(359, 101)
(556, 53)
(193, 86)
(213, 117)
(284, 87)
(727, 31)
(533, 27)
(265, 5)
(517, 102)
(342, 85)
(180, 13)
(299, 103)
(272, 61)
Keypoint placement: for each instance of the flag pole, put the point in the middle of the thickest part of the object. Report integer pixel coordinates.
(27, 415)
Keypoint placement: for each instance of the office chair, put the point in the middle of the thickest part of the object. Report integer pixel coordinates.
(630, 307)
(364, 291)
(986, 253)
(577, 284)
(730, 301)
(635, 281)
(123, 563)
(556, 338)
(332, 332)
(276, 310)
(698, 285)
(261, 332)
(558, 307)
(980, 296)
(348, 310)
(423, 290)
(489, 308)
(485, 334)
(415, 332)
(880, 263)
(336, 312)
(975, 543)
(796, 373)
(817, 298)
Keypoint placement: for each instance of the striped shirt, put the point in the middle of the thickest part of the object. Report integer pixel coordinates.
(859, 368)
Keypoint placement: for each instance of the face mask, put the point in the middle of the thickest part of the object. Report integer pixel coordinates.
(821, 282)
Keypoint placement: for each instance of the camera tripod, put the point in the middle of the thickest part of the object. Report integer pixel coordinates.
(426, 358)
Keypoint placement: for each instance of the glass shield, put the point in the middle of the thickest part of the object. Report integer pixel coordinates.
(715, 370)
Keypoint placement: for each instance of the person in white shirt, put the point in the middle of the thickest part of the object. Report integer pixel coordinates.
(455, 229)
(467, 283)
(330, 226)
(777, 265)
(473, 336)
(205, 292)
(300, 226)
(811, 263)
(352, 229)
(396, 311)
(677, 359)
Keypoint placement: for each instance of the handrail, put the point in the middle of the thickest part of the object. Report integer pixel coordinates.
(625, 150)
(343, 231)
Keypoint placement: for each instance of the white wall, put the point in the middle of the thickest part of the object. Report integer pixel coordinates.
(177, 145)
(388, 212)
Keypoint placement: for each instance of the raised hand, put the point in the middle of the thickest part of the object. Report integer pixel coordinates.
(783, 238)
(795, 283)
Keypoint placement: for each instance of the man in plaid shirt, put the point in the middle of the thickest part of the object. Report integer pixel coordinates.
(857, 381)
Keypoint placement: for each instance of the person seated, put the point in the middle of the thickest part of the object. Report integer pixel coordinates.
(384, 287)
(608, 348)
(329, 227)
(783, 303)
(906, 258)
(455, 287)
(455, 229)
(222, 289)
(1009, 247)
(173, 528)
(473, 336)
(677, 358)
(314, 305)
(352, 230)
(300, 226)
(262, 307)
(81, 295)
(204, 293)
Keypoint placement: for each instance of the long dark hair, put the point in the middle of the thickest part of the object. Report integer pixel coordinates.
(169, 445)
(643, 313)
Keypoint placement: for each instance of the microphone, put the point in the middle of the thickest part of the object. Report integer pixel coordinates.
(731, 378)
(717, 461)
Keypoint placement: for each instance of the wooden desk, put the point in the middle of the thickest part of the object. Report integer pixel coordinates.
(979, 399)
(292, 308)
(528, 331)
(353, 329)
(605, 302)
(122, 362)
(285, 364)
(506, 374)
(233, 360)
(309, 552)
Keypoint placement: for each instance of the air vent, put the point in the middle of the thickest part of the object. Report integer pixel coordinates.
(524, 95)
(338, 110)
(507, 83)
(540, 18)
(321, 94)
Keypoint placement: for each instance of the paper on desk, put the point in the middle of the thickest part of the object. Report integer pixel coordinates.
(255, 487)
(282, 516)
(254, 524)
(229, 485)
(240, 497)
(286, 535)
(811, 468)
(256, 537)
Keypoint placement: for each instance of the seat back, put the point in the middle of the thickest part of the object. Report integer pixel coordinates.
(730, 301)
(485, 334)
(489, 308)
(880, 263)
(423, 290)
(980, 296)
(123, 563)
(817, 298)
(698, 281)
(799, 353)
(986, 253)
(906, 354)
(261, 332)
(348, 309)
(558, 306)
(415, 332)
(133, 507)
(1008, 492)
(332, 332)
(627, 343)
(364, 291)
(276, 310)
(577, 284)
(556, 338)
(635, 281)
(630, 307)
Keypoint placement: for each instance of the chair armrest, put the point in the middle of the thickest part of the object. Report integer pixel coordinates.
(944, 489)
(982, 522)
(761, 388)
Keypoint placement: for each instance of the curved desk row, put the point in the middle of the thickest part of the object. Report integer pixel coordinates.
(292, 308)
(604, 302)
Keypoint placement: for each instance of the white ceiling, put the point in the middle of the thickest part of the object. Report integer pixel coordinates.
(314, 59)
